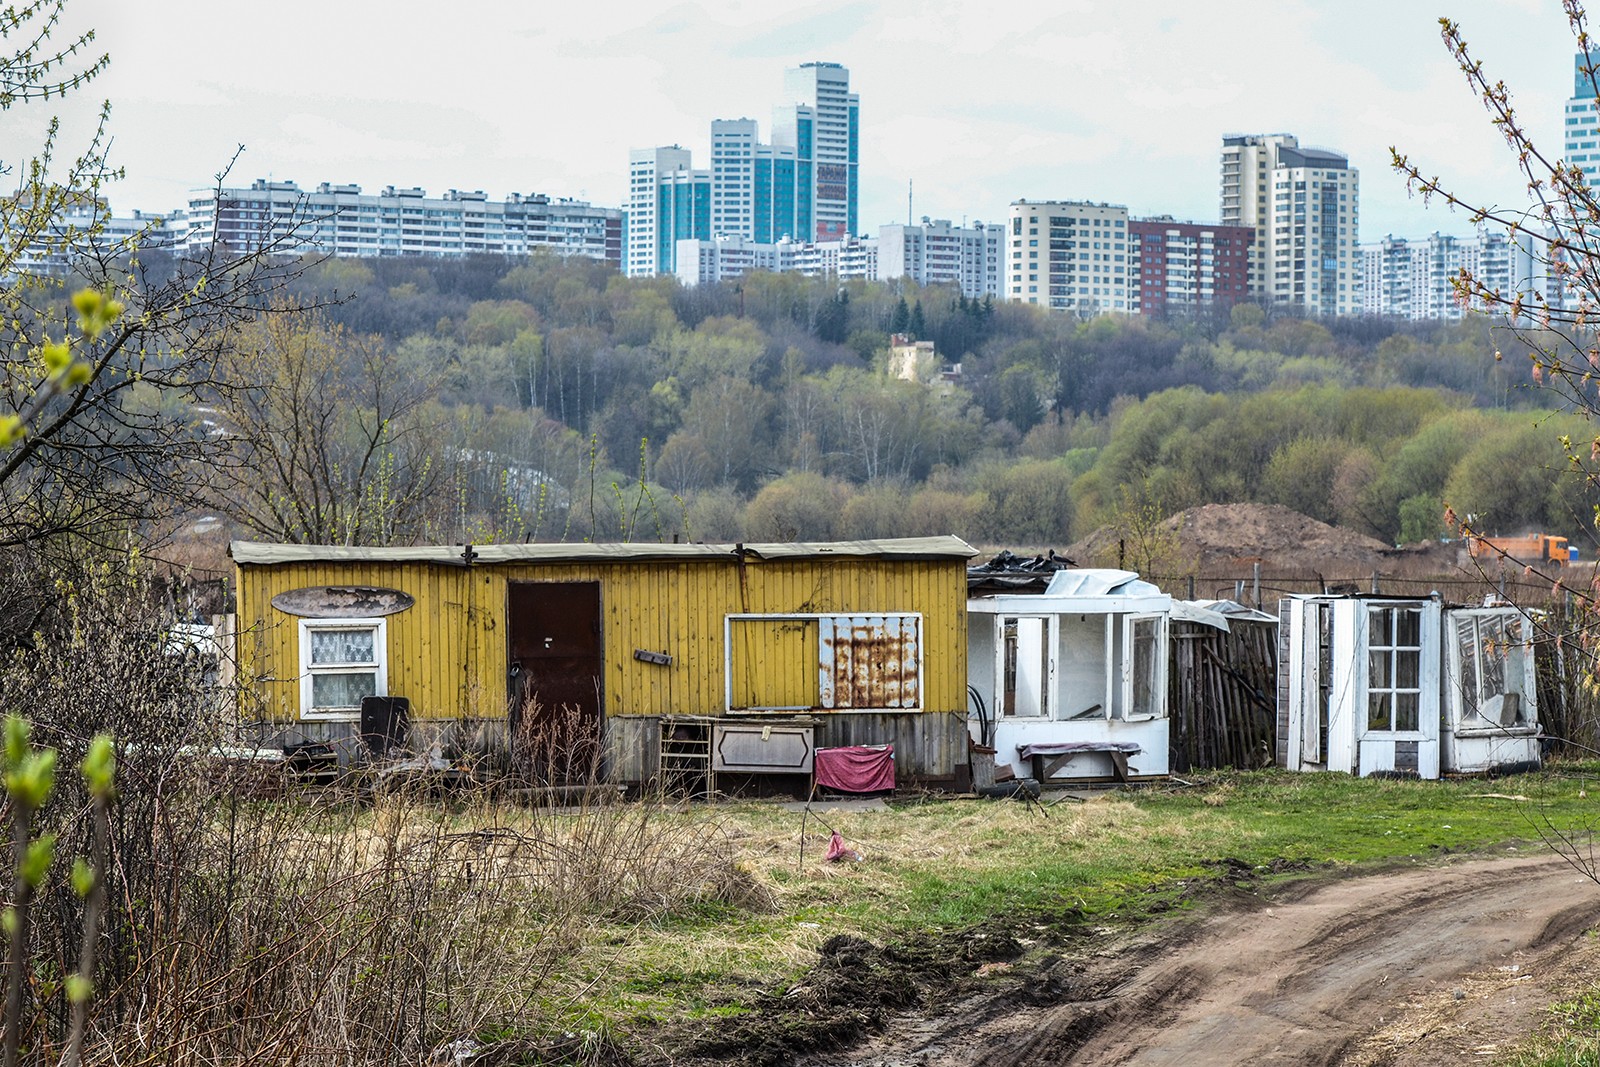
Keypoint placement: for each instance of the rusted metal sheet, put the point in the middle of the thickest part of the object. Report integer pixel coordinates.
(869, 662)
(342, 602)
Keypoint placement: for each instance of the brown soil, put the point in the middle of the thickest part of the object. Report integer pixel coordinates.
(1229, 538)
(1416, 965)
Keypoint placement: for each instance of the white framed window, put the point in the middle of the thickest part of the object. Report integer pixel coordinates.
(1491, 668)
(1394, 669)
(1027, 666)
(341, 661)
(1137, 687)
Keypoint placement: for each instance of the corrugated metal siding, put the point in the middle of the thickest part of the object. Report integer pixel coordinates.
(448, 653)
(927, 746)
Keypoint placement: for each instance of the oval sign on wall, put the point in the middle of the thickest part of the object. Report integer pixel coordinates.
(342, 602)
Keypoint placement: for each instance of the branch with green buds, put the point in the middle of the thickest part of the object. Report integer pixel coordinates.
(29, 777)
(61, 372)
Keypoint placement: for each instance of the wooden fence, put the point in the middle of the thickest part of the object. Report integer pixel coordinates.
(1221, 695)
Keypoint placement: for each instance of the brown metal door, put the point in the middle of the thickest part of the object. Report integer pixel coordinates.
(554, 657)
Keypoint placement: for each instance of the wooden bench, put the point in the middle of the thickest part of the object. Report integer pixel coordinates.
(1048, 758)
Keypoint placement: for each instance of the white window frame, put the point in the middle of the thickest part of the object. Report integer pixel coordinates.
(1052, 645)
(1121, 710)
(308, 671)
(1423, 650)
(1473, 698)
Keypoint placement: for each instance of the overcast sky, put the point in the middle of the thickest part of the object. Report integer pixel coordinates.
(977, 103)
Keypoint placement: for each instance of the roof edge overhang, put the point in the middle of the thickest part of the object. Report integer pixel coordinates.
(259, 553)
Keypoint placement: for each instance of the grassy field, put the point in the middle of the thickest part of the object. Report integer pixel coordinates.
(941, 867)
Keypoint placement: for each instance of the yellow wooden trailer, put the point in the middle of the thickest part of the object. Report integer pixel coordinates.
(859, 642)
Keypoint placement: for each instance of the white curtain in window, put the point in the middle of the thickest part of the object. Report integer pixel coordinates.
(342, 646)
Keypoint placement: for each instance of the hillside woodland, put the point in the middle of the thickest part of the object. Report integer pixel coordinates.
(547, 399)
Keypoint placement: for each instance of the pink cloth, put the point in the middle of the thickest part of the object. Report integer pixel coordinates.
(856, 768)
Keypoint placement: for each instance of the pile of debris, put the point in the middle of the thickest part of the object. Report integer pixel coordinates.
(1008, 572)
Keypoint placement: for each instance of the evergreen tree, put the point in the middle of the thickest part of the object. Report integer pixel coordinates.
(917, 327)
(901, 318)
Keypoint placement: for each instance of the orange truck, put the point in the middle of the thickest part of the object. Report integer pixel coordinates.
(1530, 549)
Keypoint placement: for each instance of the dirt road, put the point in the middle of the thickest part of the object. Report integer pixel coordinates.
(1320, 972)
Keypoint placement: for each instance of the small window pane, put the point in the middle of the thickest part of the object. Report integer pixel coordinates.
(1405, 711)
(1378, 711)
(1409, 631)
(1378, 670)
(1408, 669)
(343, 646)
(1496, 651)
(1467, 640)
(342, 690)
(1144, 667)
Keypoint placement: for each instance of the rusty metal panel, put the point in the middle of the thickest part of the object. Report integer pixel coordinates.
(869, 662)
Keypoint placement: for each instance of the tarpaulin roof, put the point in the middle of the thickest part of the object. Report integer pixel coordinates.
(909, 548)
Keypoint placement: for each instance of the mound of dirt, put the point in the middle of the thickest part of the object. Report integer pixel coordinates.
(1229, 538)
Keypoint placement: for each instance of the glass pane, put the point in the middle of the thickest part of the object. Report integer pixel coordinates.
(1144, 667)
(1378, 711)
(1409, 630)
(1496, 652)
(1380, 627)
(1467, 645)
(1405, 711)
(1408, 669)
(343, 646)
(1027, 666)
(1377, 670)
(330, 691)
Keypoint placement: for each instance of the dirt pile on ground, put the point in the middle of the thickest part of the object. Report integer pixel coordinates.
(1232, 538)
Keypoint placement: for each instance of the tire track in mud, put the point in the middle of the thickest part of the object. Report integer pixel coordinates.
(1299, 976)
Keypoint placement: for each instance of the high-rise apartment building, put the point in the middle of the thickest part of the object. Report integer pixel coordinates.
(87, 227)
(1581, 126)
(754, 192)
(727, 258)
(1182, 267)
(341, 220)
(938, 253)
(1068, 255)
(822, 123)
(803, 185)
(1303, 204)
(668, 201)
(1416, 279)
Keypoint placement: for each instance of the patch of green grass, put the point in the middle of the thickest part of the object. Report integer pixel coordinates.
(1570, 1038)
(1121, 857)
